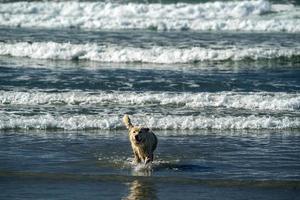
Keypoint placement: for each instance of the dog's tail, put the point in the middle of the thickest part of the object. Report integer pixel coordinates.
(127, 122)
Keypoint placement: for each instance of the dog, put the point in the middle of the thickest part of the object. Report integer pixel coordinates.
(143, 141)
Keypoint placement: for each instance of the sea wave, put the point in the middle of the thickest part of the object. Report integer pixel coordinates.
(240, 100)
(169, 122)
(155, 54)
(258, 15)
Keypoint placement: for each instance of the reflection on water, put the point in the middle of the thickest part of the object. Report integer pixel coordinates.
(139, 189)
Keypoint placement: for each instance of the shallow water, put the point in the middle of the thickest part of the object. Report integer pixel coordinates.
(96, 165)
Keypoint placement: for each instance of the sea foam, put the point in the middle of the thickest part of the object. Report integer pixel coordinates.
(155, 54)
(278, 101)
(233, 15)
(168, 122)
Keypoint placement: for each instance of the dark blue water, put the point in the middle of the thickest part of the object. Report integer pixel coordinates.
(59, 165)
(272, 76)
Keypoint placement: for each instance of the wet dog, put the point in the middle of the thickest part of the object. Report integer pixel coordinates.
(143, 141)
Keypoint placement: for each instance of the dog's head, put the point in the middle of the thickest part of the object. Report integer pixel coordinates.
(137, 134)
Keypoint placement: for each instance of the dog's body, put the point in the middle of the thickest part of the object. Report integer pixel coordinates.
(143, 141)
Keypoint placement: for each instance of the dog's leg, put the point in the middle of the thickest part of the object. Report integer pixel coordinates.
(149, 159)
(136, 158)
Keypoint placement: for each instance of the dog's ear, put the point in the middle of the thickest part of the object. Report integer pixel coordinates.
(145, 129)
(127, 122)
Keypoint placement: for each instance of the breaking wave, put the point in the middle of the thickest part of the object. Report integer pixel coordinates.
(258, 15)
(251, 101)
(155, 54)
(257, 102)
(85, 122)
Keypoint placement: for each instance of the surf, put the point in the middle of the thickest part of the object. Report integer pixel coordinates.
(260, 15)
(155, 54)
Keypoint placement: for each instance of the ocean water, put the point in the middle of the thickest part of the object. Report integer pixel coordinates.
(217, 81)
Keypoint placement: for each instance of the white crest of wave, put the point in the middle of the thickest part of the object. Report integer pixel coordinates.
(156, 54)
(221, 123)
(253, 100)
(232, 15)
(84, 122)
(93, 10)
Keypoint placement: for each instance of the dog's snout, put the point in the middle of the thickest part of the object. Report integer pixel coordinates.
(137, 138)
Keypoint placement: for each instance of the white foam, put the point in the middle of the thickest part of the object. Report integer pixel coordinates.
(44, 122)
(155, 54)
(228, 122)
(142, 167)
(278, 101)
(235, 15)
(168, 122)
